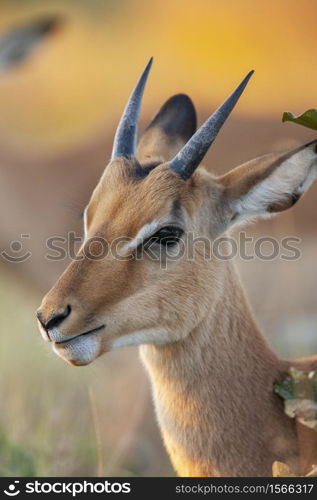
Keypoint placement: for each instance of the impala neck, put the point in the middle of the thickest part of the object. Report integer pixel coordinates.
(214, 388)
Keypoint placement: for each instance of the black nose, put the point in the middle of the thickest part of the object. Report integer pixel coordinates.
(56, 319)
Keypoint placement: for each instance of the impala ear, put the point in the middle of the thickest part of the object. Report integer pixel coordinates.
(269, 184)
(169, 130)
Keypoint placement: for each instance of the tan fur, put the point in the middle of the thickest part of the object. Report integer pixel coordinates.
(157, 146)
(214, 400)
(211, 370)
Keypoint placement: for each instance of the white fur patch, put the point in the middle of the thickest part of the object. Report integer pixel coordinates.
(56, 336)
(144, 233)
(85, 223)
(293, 176)
(148, 336)
(82, 350)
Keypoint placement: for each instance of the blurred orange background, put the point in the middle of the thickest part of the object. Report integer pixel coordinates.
(201, 47)
(59, 110)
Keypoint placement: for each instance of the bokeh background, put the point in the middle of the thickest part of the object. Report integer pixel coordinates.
(59, 109)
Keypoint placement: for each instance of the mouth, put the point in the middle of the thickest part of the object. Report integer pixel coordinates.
(80, 335)
(80, 349)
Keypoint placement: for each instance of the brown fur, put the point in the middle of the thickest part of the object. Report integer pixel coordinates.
(211, 370)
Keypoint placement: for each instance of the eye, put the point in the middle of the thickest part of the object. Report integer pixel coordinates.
(167, 236)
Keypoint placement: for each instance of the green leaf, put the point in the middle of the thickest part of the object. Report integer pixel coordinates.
(284, 388)
(299, 391)
(307, 119)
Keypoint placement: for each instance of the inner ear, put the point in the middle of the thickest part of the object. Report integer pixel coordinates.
(169, 130)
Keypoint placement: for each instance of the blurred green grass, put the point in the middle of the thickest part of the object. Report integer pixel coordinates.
(44, 427)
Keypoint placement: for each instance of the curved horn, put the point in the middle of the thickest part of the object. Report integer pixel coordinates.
(190, 156)
(124, 143)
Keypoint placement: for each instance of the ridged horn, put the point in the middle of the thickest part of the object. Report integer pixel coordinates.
(124, 143)
(190, 156)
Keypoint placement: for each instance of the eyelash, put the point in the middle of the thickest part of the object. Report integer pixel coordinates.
(167, 236)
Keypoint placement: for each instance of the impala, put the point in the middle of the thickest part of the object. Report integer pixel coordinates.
(211, 370)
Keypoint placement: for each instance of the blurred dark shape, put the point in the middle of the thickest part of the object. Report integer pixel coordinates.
(20, 41)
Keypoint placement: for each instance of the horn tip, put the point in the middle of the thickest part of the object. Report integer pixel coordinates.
(147, 68)
(244, 83)
(248, 76)
(149, 64)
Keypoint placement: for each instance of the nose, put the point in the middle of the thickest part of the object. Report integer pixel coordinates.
(55, 319)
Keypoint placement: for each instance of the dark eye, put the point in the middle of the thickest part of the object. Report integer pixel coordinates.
(166, 236)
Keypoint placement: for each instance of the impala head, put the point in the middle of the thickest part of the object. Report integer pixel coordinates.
(145, 288)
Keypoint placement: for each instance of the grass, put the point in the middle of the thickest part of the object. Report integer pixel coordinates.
(36, 397)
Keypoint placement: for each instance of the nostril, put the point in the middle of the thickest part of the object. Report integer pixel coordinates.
(56, 319)
(39, 316)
